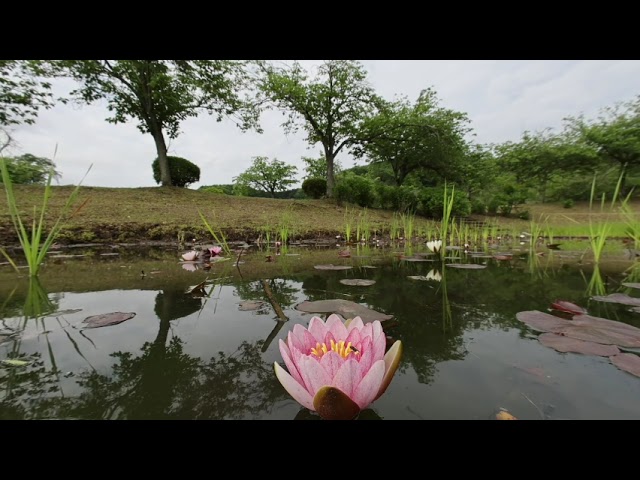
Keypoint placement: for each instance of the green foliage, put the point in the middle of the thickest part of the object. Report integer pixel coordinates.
(28, 169)
(22, 92)
(614, 135)
(432, 203)
(423, 136)
(355, 189)
(270, 176)
(213, 189)
(330, 107)
(568, 203)
(33, 241)
(317, 167)
(183, 172)
(160, 94)
(314, 187)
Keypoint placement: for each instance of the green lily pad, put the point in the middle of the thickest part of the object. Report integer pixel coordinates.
(357, 282)
(345, 308)
(15, 363)
(466, 266)
(332, 267)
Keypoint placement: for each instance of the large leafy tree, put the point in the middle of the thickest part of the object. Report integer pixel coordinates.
(615, 135)
(317, 167)
(29, 169)
(423, 136)
(270, 176)
(329, 107)
(160, 94)
(542, 156)
(22, 91)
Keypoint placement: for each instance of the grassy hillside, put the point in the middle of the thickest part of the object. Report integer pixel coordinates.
(132, 215)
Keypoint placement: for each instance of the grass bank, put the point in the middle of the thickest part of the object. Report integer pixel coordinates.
(161, 214)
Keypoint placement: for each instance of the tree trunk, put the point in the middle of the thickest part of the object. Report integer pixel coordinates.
(163, 162)
(330, 178)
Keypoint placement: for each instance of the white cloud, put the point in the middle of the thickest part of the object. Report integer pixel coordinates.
(502, 98)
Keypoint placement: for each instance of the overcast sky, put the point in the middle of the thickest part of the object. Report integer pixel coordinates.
(503, 98)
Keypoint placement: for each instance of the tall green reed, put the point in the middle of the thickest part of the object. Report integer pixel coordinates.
(34, 243)
(446, 215)
(217, 236)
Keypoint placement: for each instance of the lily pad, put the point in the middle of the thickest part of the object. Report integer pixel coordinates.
(107, 319)
(332, 267)
(345, 308)
(368, 266)
(568, 307)
(584, 327)
(542, 322)
(628, 362)
(466, 266)
(415, 259)
(417, 277)
(631, 285)
(357, 282)
(251, 305)
(562, 343)
(622, 298)
(12, 362)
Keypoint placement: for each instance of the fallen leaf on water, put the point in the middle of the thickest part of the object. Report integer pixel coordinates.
(15, 363)
(107, 319)
(568, 307)
(504, 415)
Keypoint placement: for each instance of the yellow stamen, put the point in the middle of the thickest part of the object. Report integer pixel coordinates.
(340, 348)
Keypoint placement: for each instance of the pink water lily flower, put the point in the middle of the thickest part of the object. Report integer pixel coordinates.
(337, 369)
(215, 251)
(190, 256)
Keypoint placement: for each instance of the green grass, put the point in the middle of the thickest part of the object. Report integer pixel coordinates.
(134, 215)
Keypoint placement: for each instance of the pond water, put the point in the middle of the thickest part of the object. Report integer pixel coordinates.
(209, 354)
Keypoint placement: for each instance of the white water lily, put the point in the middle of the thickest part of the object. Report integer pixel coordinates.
(434, 275)
(434, 245)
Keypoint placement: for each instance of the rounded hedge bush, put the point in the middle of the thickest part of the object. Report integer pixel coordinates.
(182, 171)
(314, 187)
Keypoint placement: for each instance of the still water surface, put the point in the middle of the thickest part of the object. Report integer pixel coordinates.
(185, 356)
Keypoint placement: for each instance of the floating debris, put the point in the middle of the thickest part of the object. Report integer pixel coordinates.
(107, 319)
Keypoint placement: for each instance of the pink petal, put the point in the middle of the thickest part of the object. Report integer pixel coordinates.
(288, 361)
(379, 342)
(327, 339)
(355, 323)
(190, 256)
(336, 327)
(331, 362)
(367, 330)
(307, 341)
(294, 389)
(369, 387)
(318, 329)
(313, 374)
(348, 377)
(366, 354)
(354, 337)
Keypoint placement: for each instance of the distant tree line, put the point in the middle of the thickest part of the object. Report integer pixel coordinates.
(408, 148)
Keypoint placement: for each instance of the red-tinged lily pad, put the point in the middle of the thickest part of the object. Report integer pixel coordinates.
(567, 344)
(107, 319)
(602, 330)
(568, 307)
(466, 266)
(631, 285)
(345, 308)
(621, 298)
(332, 267)
(357, 282)
(542, 322)
(628, 362)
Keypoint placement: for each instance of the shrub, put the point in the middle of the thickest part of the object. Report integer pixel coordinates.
(314, 187)
(478, 207)
(568, 203)
(212, 190)
(432, 203)
(182, 171)
(355, 189)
